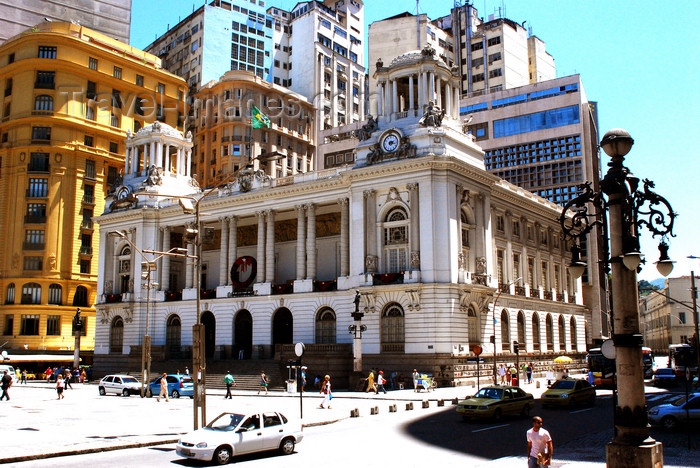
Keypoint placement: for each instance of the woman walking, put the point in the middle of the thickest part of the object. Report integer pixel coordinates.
(263, 382)
(326, 390)
(59, 387)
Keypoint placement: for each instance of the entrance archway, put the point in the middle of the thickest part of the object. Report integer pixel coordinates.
(282, 327)
(209, 323)
(242, 335)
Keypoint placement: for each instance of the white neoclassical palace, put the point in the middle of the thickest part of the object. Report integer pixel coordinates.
(444, 255)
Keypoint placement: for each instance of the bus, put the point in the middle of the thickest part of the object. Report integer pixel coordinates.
(603, 368)
(681, 356)
(648, 361)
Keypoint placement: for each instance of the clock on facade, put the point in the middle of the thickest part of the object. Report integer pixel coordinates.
(390, 142)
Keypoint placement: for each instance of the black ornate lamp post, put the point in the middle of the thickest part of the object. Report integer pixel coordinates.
(628, 210)
(357, 330)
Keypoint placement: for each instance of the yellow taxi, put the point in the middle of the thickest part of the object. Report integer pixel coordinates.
(568, 392)
(495, 402)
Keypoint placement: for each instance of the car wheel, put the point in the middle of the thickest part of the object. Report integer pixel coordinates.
(669, 423)
(497, 415)
(102, 391)
(222, 455)
(175, 394)
(526, 411)
(287, 446)
(125, 392)
(149, 393)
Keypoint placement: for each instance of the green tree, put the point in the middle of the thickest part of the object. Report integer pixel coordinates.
(646, 288)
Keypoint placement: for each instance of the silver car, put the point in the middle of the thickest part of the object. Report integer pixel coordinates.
(235, 434)
(670, 415)
(123, 385)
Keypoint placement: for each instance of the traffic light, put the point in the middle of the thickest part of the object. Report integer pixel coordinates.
(516, 347)
(493, 339)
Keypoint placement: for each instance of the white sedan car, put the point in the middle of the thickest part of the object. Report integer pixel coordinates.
(235, 434)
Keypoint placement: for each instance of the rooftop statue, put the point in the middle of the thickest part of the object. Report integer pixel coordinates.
(433, 116)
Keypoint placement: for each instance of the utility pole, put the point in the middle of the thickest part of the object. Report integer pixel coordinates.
(694, 292)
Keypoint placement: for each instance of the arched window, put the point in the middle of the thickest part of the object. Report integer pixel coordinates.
(536, 332)
(505, 330)
(521, 329)
(392, 329)
(80, 299)
(395, 240)
(325, 326)
(31, 293)
(574, 338)
(10, 298)
(124, 265)
(55, 294)
(467, 235)
(43, 103)
(474, 326)
(550, 332)
(116, 336)
(562, 333)
(172, 335)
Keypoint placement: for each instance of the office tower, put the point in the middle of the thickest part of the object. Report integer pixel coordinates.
(70, 97)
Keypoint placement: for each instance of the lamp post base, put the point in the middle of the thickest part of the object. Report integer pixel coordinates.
(640, 456)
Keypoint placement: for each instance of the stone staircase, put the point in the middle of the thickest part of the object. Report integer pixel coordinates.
(246, 373)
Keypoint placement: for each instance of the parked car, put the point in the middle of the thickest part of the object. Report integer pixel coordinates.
(123, 385)
(495, 402)
(671, 415)
(664, 377)
(568, 392)
(178, 385)
(11, 370)
(233, 434)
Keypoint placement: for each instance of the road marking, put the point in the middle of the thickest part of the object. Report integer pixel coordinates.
(581, 411)
(492, 427)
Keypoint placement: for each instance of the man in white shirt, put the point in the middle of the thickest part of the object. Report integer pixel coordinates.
(539, 445)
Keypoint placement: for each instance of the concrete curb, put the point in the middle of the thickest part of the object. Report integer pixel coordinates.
(67, 453)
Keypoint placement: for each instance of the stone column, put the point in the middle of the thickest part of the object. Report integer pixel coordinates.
(165, 270)
(380, 100)
(410, 92)
(344, 237)
(166, 157)
(127, 162)
(270, 248)
(508, 273)
(311, 241)
(223, 254)
(334, 93)
(425, 93)
(134, 159)
(232, 246)
(361, 98)
(152, 155)
(188, 164)
(431, 87)
(371, 259)
(448, 100)
(159, 154)
(301, 242)
(438, 90)
(387, 101)
(394, 96)
(455, 103)
(260, 256)
(415, 226)
(189, 275)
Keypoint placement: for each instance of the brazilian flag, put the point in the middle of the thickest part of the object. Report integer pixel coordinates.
(259, 119)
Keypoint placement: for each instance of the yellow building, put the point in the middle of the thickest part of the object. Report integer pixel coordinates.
(225, 139)
(70, 96)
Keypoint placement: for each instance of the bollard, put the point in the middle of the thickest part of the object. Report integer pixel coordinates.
(392, 408)
(426, 404)
(409, 406)
(374, 410)
(441, 402)
(537, 384)
(355, 413)
(473, 384)
(455, 401)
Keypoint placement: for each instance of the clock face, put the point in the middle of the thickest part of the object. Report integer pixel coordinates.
(390, 143)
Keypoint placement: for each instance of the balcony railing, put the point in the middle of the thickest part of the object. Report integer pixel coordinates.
(86, 224)
(548, 294)
(89, 199)
(560, 296)
(86, 250)
(572, 299)
(520, 290)
(286, 288)
(322, 286)
(112, 298)
(241, 292)
(207, 294)
(387, 278)
(37, 193)
(33, 246)
(392, 347)
(504, 288)
(173, 296)
(29, 219)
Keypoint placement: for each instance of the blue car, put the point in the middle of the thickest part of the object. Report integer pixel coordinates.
(178, 385)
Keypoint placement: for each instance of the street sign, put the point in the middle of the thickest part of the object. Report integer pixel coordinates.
(476, 349)
(608, 349)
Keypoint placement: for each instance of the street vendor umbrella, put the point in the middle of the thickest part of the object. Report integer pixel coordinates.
(563, 359)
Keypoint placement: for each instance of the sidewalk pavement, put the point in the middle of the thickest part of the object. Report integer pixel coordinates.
(37, 425)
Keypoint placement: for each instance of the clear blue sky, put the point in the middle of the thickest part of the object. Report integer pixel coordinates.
(638, 59)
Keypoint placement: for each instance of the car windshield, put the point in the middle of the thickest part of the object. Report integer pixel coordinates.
(494, 393)
(680, 401)
(226, 422)
(563, 384)
(186, 380)
(129, 380)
